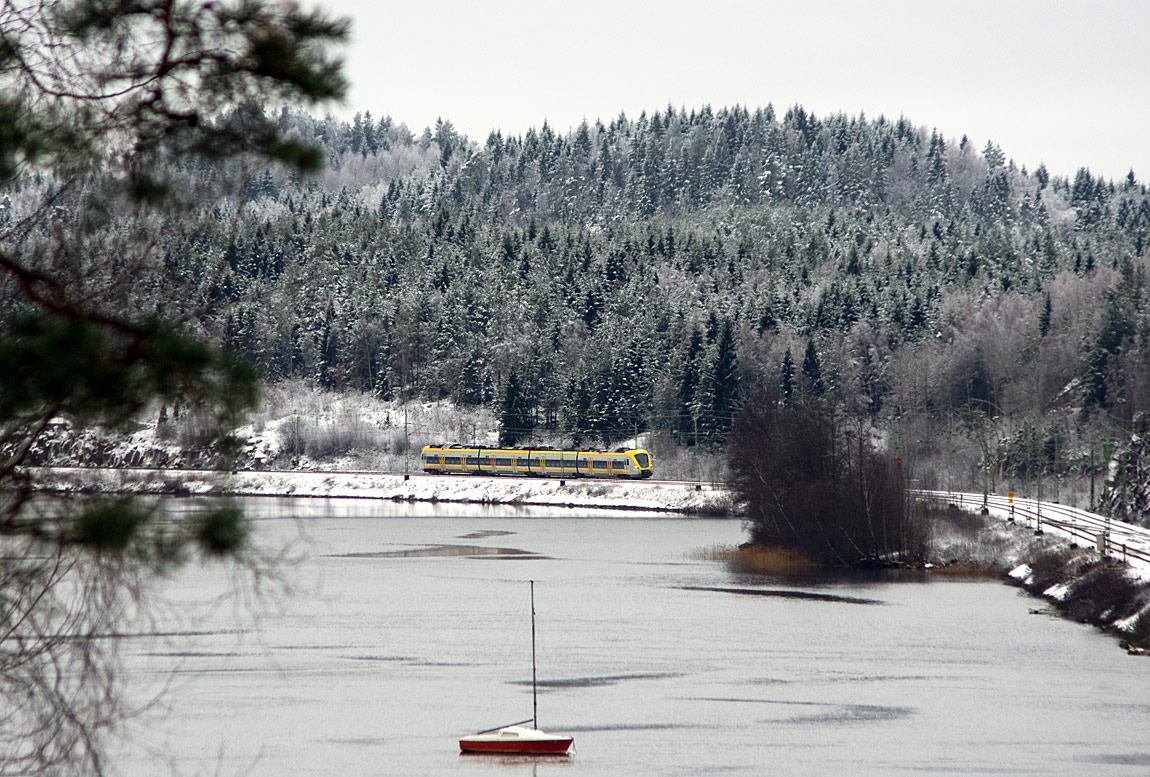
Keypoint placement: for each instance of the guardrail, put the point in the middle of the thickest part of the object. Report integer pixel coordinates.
(1119, 539)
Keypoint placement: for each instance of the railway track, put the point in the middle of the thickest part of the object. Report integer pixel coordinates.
(1119, 539)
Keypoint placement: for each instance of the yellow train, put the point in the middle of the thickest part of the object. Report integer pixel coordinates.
(464, 459)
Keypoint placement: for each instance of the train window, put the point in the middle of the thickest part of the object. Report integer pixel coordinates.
(536, 462)
(451, 460)
(643, 459)
(619, 463)
(430, 459)
(601, 464)
(473, 461)
(503, 462)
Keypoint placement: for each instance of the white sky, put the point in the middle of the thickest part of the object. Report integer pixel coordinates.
(1054, 81)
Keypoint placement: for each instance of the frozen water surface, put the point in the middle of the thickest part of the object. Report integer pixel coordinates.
(406, 626)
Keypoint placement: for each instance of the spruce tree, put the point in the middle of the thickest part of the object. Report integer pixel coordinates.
(688, 385)
(723, 383)
(515, 421)
(812, 373)
(787, 378)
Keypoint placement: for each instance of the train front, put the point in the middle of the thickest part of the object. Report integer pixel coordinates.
(642, 461)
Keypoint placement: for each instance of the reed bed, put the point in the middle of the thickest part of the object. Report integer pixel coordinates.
(759, 559)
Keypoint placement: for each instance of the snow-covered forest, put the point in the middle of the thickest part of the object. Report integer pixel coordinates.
(991, 322)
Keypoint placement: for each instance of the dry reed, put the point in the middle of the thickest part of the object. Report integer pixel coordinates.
(760, 559)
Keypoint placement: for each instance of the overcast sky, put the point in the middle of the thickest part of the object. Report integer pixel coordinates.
(1065, 83)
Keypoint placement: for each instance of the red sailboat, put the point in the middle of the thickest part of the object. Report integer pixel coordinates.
(517, 737)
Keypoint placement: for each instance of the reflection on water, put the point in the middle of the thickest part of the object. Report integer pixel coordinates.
(829, 713)
(443, 551)
(592, 682)
(1120, 759)
(389, 642)
(542, 763)
(785, 594)
(630, 727)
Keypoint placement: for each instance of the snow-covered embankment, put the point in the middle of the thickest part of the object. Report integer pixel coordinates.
(667, 496)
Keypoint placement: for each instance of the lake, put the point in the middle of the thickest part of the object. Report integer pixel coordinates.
(393, 629)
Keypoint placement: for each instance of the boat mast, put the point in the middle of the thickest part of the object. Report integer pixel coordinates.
(534, 697)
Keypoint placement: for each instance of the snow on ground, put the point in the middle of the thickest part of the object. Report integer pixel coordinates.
(1127, 542)
(668, 496)
(1020, 572)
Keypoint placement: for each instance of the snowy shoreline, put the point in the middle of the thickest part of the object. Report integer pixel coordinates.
(1076, 577)
(657, 496)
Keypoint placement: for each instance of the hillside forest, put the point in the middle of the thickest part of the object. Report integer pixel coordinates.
(988, 324)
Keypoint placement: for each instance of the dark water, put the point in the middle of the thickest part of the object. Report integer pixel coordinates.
(407, 626)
